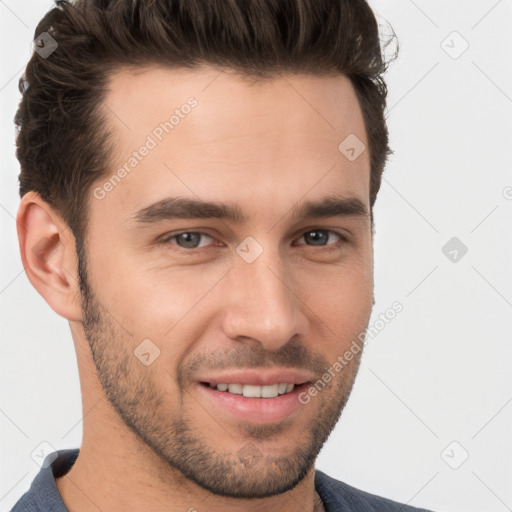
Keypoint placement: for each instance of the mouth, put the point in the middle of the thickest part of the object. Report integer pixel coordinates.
(253, 391)
(257, 398)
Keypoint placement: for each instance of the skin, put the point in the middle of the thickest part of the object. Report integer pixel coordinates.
(266, 146)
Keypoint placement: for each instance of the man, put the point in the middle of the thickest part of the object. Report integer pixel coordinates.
(197, 182)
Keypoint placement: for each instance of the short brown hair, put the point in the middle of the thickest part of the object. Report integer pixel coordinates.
(62, 141)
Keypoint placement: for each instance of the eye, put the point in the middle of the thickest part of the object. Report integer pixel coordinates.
(188, 239)
(198, 239)
(320, 237)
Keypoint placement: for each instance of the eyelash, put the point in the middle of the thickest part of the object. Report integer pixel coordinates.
(325, 248)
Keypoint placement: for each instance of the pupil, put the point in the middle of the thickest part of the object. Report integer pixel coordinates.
(190, 239)
(317, 236)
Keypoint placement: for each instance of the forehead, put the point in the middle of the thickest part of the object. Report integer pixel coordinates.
(210, 133)
(144, 96)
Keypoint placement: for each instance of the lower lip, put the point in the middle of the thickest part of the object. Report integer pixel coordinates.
(259, 411)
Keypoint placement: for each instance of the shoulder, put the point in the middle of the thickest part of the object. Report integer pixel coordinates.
(26, 503)
(43, 494)
(338, 495)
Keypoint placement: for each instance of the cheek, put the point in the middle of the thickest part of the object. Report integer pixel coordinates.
(146, 289)
(338, 302)
(167, 303)
(169, 307)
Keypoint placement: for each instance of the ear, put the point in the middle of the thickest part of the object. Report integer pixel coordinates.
(47, 248)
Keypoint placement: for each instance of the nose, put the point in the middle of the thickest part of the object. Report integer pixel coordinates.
(262, 303)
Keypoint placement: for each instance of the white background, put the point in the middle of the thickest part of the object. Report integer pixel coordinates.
(439, 372)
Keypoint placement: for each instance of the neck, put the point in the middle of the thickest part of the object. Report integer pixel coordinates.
(106, 481)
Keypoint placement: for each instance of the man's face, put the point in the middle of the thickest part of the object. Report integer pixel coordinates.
(270, 298)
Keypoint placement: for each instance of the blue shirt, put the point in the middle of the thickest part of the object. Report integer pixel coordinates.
(43, 495)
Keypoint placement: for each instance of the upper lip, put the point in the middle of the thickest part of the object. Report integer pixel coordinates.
(255, 377)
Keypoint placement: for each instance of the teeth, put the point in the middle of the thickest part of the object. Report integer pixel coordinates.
(269, 391)
(235, 388)
(251, 391)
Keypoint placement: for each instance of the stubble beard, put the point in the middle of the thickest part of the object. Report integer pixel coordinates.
(247, 471)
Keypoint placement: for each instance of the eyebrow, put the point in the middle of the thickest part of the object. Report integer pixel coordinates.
(187, 208)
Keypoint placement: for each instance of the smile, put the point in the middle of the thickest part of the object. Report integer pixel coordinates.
(249, 403)
(251, 391)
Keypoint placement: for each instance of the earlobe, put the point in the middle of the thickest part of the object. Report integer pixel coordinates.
(47, 248)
